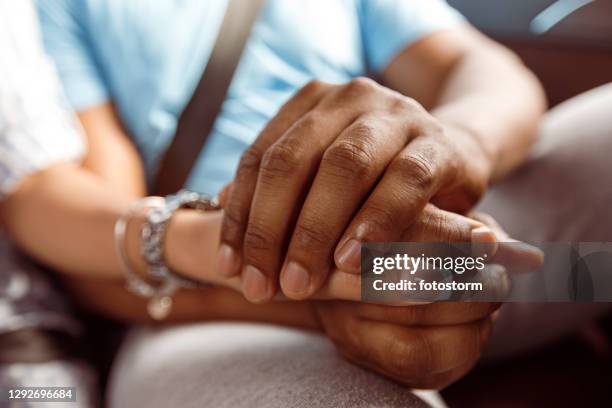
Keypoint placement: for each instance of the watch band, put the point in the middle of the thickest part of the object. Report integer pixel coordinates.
(159, 295)
(154, 230)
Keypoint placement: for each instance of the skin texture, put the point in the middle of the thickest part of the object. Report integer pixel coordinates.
(344, 164)
(64, 216)
(427, 346)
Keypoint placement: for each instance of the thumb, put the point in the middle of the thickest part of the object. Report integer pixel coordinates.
(436, 225)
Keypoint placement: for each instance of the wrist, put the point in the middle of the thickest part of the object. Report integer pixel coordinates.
(192, 238)
(478, 155)
(475, 160)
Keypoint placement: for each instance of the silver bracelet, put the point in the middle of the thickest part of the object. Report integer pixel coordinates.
(154, 229)
(160, 295)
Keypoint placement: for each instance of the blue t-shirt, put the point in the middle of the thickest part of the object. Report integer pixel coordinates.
(147, 57)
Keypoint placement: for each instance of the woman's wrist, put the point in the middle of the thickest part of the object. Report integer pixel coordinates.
(186, 243)
(192, 238)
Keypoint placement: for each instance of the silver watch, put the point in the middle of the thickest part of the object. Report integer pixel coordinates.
(154, 229)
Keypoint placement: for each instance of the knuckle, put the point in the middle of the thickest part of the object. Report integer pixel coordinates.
(364, 130)
(433, 223)
(361, 85)
(312, 121)
(279, 160)
(258, 238)
(446, 230)
(349, 158)
(383, 218)
(403, 103)
(311, 235)
(416, 168)
(249, 164)
(315, 86)
(453, 233)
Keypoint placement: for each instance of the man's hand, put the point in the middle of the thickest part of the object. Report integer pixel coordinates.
(337, 166)
(426, 346)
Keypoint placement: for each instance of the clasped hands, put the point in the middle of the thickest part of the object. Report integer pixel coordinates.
(340, 165)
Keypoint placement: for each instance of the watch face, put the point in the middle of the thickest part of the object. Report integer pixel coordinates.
(579, 21)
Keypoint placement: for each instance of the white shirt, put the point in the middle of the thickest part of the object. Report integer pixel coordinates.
(36, 126)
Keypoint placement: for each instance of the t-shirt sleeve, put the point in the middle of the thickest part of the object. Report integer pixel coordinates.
(389, 26)
(66, 39)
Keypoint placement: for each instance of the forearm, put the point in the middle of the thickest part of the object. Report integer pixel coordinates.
(64, 217)
(493, 97)
(208, 304)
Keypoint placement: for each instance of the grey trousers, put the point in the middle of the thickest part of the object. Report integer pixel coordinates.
(563, 192)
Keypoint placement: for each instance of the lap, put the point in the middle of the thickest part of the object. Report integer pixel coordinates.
(243, 365)
(564, 191)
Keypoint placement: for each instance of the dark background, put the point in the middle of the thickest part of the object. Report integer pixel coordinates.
(574, 56)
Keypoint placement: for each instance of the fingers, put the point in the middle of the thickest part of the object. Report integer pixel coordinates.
(435, 381)
(340, 285)
(433, 314)
(411, 180)
(285, 175)
(415, 356)
(518, 257)
(239, 200)
(432, 225)
(436, 225)
(408, 184)
(349, 169)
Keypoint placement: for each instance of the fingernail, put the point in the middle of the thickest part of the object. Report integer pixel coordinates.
(523, 246)
(536, 255)
(296, 278)
(349, 256)
(254, 284)
(483, 235)
(484, 242)
(226, 260)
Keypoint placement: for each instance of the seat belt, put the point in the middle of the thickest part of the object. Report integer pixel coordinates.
(196, 122)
